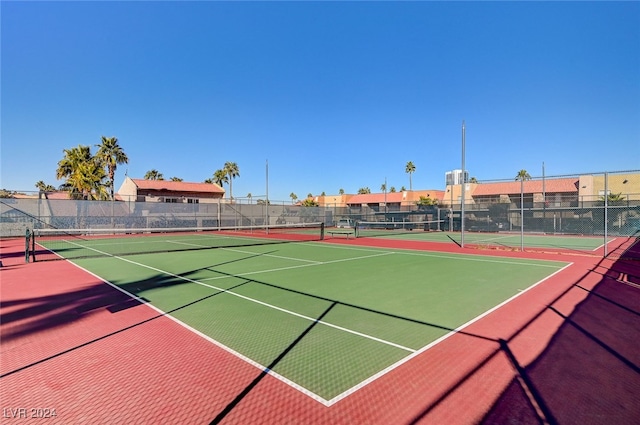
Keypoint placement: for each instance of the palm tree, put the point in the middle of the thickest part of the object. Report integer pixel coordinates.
(393, 189)
(232, 170)
(153, 175)
(341, 191)
(309, 202)
(383, 187)
(72, 158)
(612, 199)
(293, 197)
(109, 155)
(220, 177)
(249, 196)
(410, 169)
(88, 180)
(84, 175)
(43, 187)
(364, 191)
(176, 179)
(523, 175)
(473, 180)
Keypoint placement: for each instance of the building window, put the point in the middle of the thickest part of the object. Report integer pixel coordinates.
(171, 200)
(193, 201)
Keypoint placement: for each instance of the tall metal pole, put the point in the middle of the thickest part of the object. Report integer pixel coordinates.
(544, 202)
(267, 200)
(544, 195)
(521, 213)
(385, 199)
(463, 183)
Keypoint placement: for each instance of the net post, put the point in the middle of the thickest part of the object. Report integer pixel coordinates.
(27, 244)
(322, 231)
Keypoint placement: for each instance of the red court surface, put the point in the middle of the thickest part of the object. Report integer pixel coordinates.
(564, 352)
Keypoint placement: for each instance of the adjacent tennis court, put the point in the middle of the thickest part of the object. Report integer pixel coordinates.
(324, 318)
(427, 231)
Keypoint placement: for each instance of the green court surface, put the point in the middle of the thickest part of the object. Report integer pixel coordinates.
(324, 317)
(511, 240)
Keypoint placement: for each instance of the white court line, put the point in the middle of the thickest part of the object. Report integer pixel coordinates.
(292, 313)
(297, 267)
(250, 252)
(303, 390)
(437, 341)
(453, 256)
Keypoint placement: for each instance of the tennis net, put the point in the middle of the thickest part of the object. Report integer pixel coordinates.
(52, 244)
(391, 228)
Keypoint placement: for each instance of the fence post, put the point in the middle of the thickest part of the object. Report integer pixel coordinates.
(606, 212)
(522, 214)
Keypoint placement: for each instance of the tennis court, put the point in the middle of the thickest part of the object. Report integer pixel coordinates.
(324, 318)
(416, 231)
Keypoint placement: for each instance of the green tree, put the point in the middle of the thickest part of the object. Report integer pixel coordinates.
(383, 187)
(249, 196)
(473, 180)
(220, 177)
(4, 193)
(109, 155)
(364, 191)
(523, 175)
(613, 199)
(309, 202)
(341, 191)
(43, 187)
(392, 190)
(410, 168)
(426, 201)
(176, 179)
(83, 173)
(232, 170)
(293, 197)
(153, 175)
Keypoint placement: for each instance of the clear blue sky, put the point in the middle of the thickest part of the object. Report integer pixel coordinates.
(334, 95)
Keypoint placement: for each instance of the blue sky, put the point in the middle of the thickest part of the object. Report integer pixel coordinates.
(333, 95)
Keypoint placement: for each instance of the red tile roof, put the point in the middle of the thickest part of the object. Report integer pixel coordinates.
(168, 185)
(530, 186)
(57, 195)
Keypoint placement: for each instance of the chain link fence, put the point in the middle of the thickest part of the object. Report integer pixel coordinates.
(18, 215)
(605, 204)
(586, 204)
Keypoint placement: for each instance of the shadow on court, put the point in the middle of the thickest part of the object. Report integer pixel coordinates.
(588, 373)
(590, 370)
